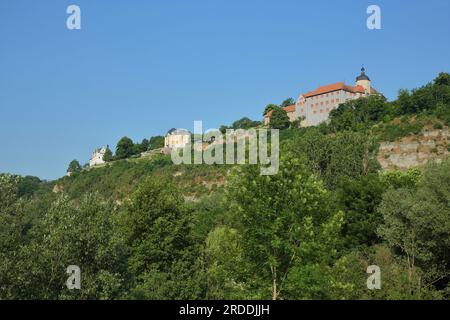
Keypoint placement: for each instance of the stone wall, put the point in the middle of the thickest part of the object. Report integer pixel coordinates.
(415, 151)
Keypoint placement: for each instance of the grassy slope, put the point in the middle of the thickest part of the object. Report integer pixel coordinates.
(118, 179)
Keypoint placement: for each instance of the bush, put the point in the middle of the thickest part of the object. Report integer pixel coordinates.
(393, 131)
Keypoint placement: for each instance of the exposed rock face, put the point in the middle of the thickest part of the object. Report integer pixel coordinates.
(414, 151)
(57, 189)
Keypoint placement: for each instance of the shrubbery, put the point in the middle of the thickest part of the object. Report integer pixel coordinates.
(307, 233)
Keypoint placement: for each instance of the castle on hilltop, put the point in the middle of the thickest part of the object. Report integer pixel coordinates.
(314, 107)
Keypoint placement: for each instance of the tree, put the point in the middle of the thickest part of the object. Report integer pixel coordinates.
(108, 156)
(394, 279)
(156, 227)
(28, 185)
(124, 148)
(333, 157)
(279, 119)
(417, 221)
(443, 79)
(284, 225)
(145, 144)
(74, 167)
(156, 142)
(78, 233)
(269, 108)
(359, 114)
(359, 199)
(426, 98)
(12, 228)
(226, 271)
(223, 129)
(245, 123)
(138, 148)
(287, 102)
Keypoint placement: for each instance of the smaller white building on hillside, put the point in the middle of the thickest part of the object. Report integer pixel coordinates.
(177, 138)
(97, 157)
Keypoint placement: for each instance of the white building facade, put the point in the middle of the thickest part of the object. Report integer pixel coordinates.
(177, 138)
(97, 157)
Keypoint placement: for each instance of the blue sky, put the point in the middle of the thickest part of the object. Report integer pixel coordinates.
(139, 68)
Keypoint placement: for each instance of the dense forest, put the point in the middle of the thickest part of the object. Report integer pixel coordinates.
(147, 229)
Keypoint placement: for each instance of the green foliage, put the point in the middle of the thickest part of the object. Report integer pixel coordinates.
(442, 112)
(287, 102)
(146, 229)
(108, 156)
(332, 157)
(398, 129)
(427, 98)
(67, 234)
(27, 186)
(359, 199)
(279, 119)
(156, 142)
(282, 222)
(417, 222)
(359, 114)
(394, 276)
(156, 227)
(12, 225)
(226, 265)
(138, 148)
(243, 123)
(115, 180)
(74, 167)
(124, 148)
(269, 108)
(401, 179)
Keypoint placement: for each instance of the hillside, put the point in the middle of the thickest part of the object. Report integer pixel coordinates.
(118, 179)
(369, 187)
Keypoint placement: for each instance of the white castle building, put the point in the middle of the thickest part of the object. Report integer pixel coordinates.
(97, 157)
(314, 107)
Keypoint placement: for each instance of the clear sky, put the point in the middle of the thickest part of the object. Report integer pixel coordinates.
(139, 68)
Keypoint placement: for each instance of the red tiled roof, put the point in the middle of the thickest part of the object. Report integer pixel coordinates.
(334, 87)
(288, 109)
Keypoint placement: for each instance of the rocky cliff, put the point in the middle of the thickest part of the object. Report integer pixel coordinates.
(415, 151)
